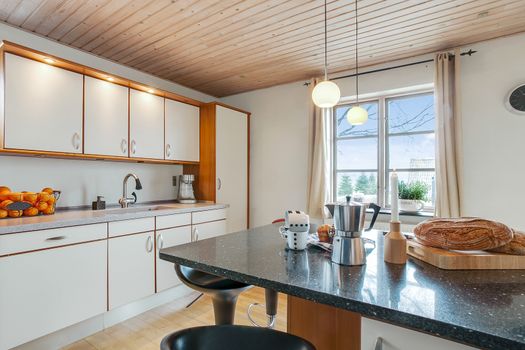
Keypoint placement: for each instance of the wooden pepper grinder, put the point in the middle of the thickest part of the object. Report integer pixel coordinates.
(395, 245)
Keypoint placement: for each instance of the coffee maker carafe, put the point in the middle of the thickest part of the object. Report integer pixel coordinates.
(186, 195)
(349, 219)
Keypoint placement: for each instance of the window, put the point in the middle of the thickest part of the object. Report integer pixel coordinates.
(399, 135)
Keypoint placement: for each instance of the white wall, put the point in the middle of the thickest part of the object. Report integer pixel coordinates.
(82, 180)
(494, 165)
(279, 128)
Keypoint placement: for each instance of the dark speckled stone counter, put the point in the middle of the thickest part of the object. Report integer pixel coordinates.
(483, 309)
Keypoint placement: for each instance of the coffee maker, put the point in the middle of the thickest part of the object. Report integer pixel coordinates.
(348, 246)
(186, 195)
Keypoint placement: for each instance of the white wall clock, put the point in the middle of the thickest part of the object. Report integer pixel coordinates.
(515, 100)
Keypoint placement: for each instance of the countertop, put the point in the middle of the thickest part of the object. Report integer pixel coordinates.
(64, 218)
(483, 309)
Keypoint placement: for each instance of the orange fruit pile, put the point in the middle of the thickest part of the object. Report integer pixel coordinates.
(41, 202)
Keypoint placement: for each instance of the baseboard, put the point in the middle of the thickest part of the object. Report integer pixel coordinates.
(71, 334)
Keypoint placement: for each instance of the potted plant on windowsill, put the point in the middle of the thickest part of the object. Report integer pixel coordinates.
(412, 196)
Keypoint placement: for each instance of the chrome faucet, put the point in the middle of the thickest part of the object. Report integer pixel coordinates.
(125, 201)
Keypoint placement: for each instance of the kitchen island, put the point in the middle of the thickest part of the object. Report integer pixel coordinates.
(482, 309)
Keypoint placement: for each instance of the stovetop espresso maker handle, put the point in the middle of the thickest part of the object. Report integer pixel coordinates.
(376, 208)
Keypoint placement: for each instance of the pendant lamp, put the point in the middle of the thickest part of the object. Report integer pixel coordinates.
(326, 94)
(357, 114)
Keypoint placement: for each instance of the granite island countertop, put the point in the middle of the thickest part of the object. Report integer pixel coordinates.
(480, 308)
(65, 218)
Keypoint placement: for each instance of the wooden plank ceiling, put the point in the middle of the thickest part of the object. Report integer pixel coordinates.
(223, 47)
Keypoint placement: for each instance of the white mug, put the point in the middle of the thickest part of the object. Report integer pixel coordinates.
(295, 240)
(411, 205)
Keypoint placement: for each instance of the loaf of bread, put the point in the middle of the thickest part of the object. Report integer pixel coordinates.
(463, 233)
(515, 247)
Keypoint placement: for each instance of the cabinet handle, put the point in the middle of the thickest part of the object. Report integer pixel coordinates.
(149, 244)
(379, 344)
(124, 146)
(76, 141)
(196, 234)
(219, 183)
(168, 150)
(133, 146)
(56, 238)
(160, 242)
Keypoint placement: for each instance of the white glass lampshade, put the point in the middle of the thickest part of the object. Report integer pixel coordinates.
(326, 94)
(357, 115)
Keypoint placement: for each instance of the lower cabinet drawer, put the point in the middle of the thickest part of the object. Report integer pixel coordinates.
(42, 292)
(125, 227)
(208, 215)
(131, 270)
(398, 338)
(175, 220)
(36, 240)
(209, 230)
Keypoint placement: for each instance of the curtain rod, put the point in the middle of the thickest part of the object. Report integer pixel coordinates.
(468, 53)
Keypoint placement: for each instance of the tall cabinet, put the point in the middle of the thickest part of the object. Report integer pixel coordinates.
(223, 172)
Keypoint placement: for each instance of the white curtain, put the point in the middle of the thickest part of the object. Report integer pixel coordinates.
(448, 135)
(319, 158)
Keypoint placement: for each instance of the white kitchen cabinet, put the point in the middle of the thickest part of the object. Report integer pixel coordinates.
(43, 106)
(44, 291)
(146, 125)
(398, 338)
(182, 131)
(105, 118)
(232, 165)
(131, 271)
(209, 229)
(166, 276)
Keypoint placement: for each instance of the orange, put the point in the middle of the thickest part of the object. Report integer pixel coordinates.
(49, 211)
(14, 213)
(43, 196)
(3, 197)
(5, 203)
(30, 197)
(51, 200)
(4, 190)
(3, 213)
(48, 190)
(41, 206)
(31, 211)
(16, 196)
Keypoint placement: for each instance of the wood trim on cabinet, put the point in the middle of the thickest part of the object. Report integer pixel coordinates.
(205, 171)
(327, 327)
(248, 174)
(62, 155)
(2, 99)
(92, 72)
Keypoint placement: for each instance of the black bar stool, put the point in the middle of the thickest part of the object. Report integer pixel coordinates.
(228, 337)
(223, 292)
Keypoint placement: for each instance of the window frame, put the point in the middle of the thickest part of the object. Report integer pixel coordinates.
(383, 167)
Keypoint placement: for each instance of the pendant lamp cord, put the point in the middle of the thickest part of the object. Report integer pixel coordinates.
(325, 44)
(356, 59)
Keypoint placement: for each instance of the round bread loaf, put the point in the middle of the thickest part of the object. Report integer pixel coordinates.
(463, 233)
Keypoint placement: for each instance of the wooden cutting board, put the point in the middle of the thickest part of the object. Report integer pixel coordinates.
(464, 260)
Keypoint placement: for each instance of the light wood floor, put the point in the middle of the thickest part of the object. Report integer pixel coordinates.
(146, 330)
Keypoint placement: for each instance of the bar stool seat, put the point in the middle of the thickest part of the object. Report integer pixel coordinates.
(228, 337)
(223, 292)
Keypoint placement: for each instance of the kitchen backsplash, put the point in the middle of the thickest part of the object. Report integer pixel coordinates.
(82, 180)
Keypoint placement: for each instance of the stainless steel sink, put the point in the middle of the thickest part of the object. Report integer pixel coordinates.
(137, 209)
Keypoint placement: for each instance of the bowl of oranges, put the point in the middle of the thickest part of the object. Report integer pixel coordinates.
(17, 204)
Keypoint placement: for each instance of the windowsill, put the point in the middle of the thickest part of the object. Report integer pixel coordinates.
(424, 214)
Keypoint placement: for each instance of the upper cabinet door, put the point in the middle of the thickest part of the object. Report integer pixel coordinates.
(182, 131)
(232, 165)
(43, 106)
(105, 118)
(146, 125)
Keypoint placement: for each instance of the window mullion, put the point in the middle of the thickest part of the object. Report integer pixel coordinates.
(381, 153)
